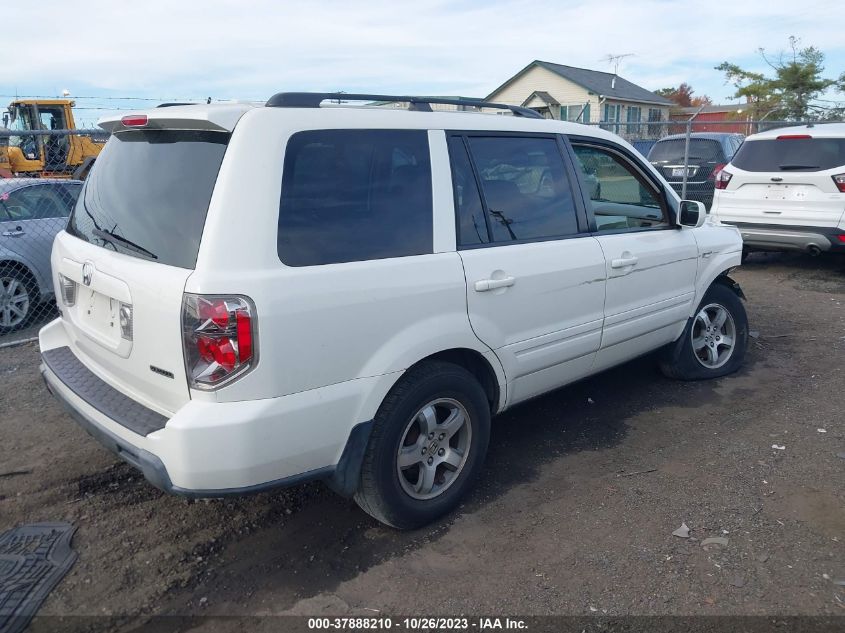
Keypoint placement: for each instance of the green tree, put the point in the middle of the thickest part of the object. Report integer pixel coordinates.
(793, 89)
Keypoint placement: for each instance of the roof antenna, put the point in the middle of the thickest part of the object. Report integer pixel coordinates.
(614, 60)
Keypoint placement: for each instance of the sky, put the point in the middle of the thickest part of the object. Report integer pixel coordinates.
(250, 49)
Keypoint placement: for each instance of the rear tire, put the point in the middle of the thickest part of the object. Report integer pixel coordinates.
(18, 298)
(714, 341)
(428, 444)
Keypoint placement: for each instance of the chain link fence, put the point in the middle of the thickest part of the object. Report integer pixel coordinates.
(689, 152)
(41, 175)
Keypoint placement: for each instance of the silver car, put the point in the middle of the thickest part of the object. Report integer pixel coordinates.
(32, 212)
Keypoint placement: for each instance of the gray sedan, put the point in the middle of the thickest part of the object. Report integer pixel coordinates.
(32, 212)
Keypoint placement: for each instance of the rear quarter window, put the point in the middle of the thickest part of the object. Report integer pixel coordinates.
(797, 154)
(355, 195)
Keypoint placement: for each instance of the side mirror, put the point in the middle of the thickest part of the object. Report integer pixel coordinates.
(691, 214)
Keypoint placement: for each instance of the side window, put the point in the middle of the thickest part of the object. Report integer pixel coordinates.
(354, 195)
(471, 225)
(526, 190)
(70, 195)
(38, 202)
(620, 197)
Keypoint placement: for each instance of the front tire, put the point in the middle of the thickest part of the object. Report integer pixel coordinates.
(428, 444)
(714, 341)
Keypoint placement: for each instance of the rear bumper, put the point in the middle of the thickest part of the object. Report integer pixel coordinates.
(150, 465)
(792, 238)
(214, 449)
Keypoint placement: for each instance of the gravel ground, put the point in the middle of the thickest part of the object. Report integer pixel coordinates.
(574, 514)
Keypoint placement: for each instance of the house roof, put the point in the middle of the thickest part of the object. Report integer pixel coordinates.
(594, 81)
(545, 97)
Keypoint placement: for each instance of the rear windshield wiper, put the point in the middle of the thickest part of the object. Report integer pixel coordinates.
(112, 237)
(790, 167)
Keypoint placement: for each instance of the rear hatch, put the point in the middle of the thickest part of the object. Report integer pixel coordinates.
(130, 246)
(705, 158)
(786, 180)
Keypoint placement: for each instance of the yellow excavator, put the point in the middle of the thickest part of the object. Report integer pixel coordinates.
(45, 155)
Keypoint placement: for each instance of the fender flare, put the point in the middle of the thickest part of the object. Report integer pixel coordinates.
(726, 280)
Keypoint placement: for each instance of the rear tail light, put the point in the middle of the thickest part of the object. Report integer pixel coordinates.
(716, 171)
(722, 178)
(839, 179)
(68, 289)
(793, 137)
(219, 338)
(841, 238)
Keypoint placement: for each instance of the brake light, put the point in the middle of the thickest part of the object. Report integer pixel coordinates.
(722, 179)
(218, 337)
(792, 137)
(134, 120)
(839, 179)
(715, 171)
(841, 238)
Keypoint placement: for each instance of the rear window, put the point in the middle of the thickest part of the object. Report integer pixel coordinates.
(354, 195)
(700, 151)
(798, 154)
(148, 194)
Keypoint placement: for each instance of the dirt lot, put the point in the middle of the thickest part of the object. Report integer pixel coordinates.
(574, 514)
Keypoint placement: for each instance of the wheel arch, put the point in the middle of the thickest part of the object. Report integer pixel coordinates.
(729, 282)
(717, 272)
(479, 366)
(23, 267)
(485, 367)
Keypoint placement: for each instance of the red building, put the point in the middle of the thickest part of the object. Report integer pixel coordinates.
(713, 118)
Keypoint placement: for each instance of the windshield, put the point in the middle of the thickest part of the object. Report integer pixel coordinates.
(791, 154)
(148, 194)
(700, 151)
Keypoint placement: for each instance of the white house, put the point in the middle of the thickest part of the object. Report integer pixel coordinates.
(578, 94)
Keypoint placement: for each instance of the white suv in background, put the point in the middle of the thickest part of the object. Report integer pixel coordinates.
(785, 189)
(258, 296)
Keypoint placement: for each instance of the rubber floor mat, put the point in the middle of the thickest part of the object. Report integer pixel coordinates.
(33, 559)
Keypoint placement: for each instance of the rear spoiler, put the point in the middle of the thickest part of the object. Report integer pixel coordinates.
(215, 118)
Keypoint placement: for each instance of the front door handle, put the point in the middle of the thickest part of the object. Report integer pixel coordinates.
(16, 233)
(624, 262)
(491, 284)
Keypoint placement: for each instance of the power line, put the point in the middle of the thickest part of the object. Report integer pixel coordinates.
(18, 96)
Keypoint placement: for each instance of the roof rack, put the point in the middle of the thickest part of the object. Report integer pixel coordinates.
(420, 104)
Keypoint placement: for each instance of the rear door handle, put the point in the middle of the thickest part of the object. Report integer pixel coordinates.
(624, 262)
(491, 284)
(15, 233)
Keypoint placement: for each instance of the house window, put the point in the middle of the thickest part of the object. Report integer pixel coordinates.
(635, 115)
(655, 119)
(612, 114)
(579, 113)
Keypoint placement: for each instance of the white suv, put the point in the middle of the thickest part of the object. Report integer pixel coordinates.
(254, 296)
(785, 189)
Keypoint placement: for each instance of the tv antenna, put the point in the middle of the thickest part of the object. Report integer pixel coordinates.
(615, 60)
